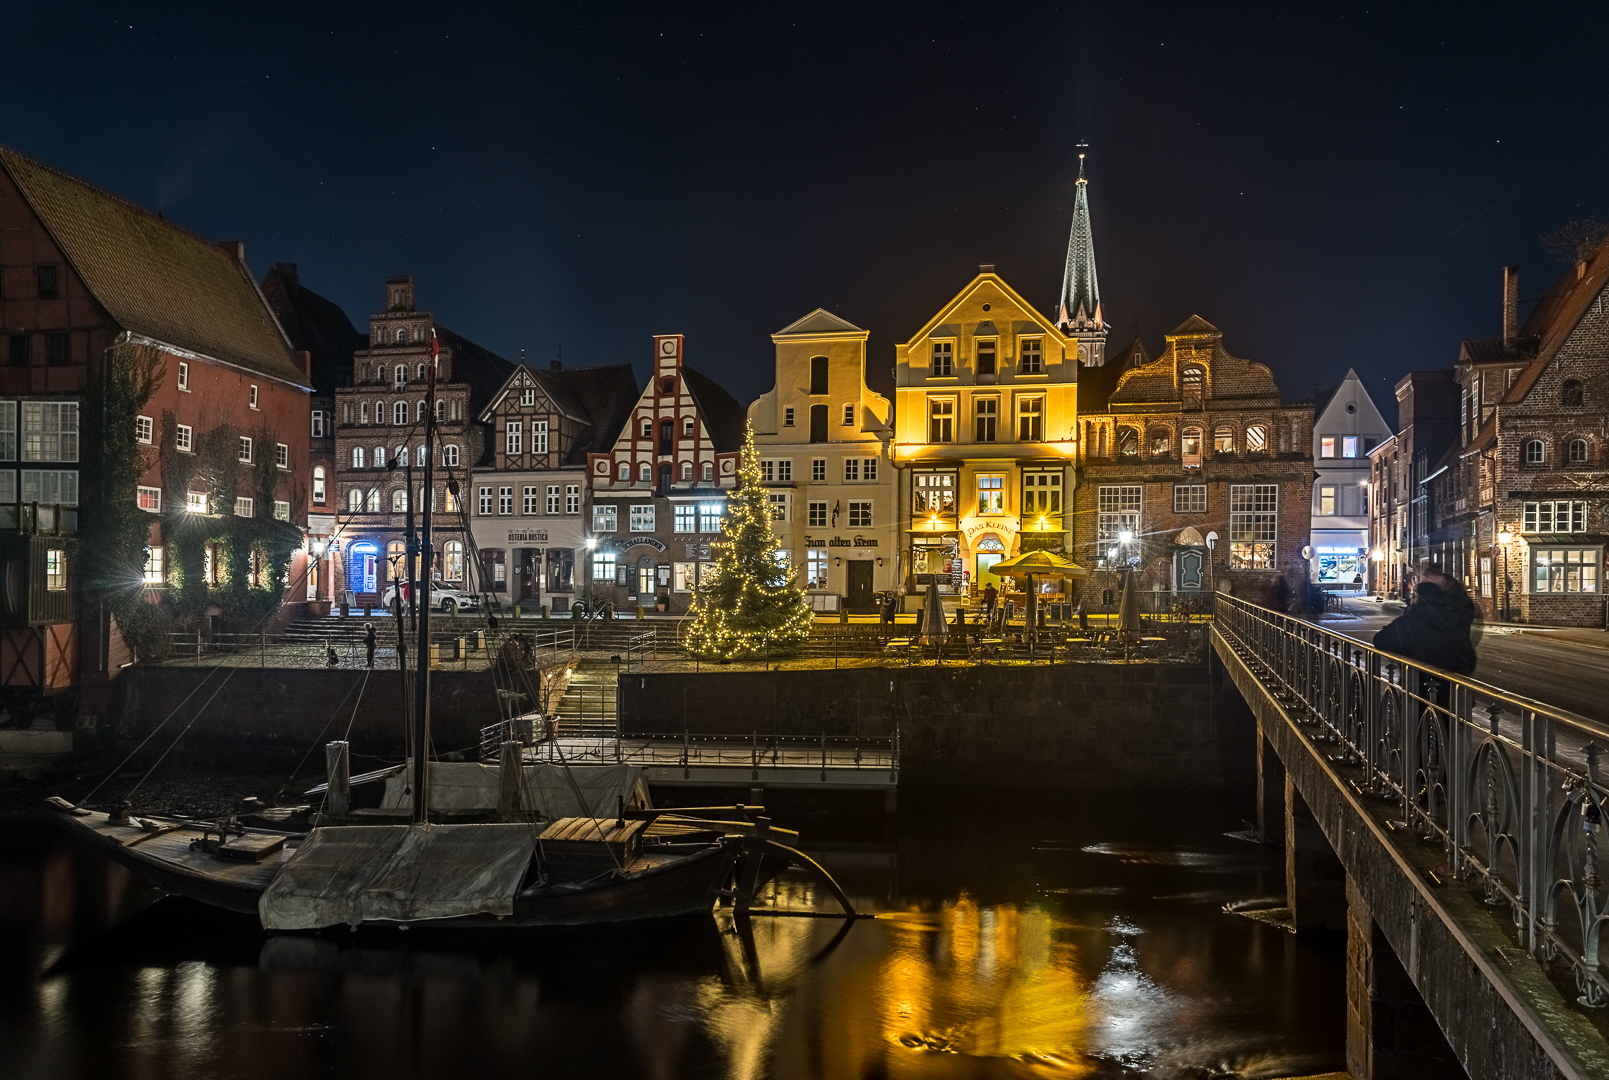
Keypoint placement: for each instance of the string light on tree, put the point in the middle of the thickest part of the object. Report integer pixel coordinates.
(750, 606)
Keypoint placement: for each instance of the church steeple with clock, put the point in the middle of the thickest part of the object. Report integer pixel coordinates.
(1078, 312)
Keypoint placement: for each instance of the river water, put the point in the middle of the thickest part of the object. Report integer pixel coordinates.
(1037, 936)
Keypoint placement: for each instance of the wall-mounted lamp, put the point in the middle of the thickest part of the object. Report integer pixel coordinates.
(879, 560)
(1125, 537)
(839, 561)
(318, 547)
(1505, 537)
(591, 543)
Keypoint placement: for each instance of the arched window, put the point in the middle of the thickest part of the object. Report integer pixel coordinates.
(452, 501)
(1128, 441)
(625, 470)
(419, 373)
(402, 335)
(419, 457)
(1190, 444)
(687, 471)
(453, 558)
(399, 376)
(449, 456)
(709, 472)
(687, 427)
(379, 457)
(357, 457)
(354, 500)
(363, 412)
(647, 428)
(400, 457)
(379, 412)
(419, 413)
(441, 410)
(1192, 381)
(1256, 439)
(318, 485)
(645, 474)
(667, 434)
(395, 557)
(374, 500)
(1223, 439)
(1535, 453)
(1578, 451)
(1161, 442)
(1573, 395)
(399, 412)
(399, 500)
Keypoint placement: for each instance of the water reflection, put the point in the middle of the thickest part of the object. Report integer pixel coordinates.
(1095, 945)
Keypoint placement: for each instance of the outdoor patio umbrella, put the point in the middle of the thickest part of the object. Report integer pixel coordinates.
(1037, 562)
(1128, 608)
(933, 627)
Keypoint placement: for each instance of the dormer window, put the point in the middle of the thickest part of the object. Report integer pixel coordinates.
(647, 428)
(1192, 382)
(528, 396)
(687, 427)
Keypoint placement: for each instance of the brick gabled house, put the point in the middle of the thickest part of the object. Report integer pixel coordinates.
(1520, 498)
(1194, 470)
(380, 444)
(659, 492)
(530, 486)
(86, 276)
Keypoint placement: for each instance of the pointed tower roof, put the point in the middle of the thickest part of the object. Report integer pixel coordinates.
(1080, 305)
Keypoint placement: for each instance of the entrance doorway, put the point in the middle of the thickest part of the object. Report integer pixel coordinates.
(1189, 569)
(860, 584)
(645, 580)
(989, 550)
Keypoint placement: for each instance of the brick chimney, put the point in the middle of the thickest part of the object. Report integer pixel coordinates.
(1511, 304)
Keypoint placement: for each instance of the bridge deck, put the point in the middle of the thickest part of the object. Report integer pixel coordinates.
(736, 761)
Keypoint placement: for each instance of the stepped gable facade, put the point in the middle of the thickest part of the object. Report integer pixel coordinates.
(659, 492)
(380, 424)
(1520, 500)
(1194, 472)
(531, 501)
(82, 274)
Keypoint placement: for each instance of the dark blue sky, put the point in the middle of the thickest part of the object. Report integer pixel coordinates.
(1331, 185)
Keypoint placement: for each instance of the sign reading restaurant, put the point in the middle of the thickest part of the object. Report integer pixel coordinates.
(841, 542)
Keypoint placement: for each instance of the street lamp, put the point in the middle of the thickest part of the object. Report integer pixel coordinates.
(1504, 539)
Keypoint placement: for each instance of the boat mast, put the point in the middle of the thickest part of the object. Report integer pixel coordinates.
(421, 682)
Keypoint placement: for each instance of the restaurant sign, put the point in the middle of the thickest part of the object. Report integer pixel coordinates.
(842, 542)
(527, 536)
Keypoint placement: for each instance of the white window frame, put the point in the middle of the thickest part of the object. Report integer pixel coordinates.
(1547, 516)
(539, 436)
(144, 429)
(485, 504)
(282, 510)
(513, 437)
(505, 500)
(605, 517)
(1570, 570)
(282, 456)
(1189, 498)
(195, 502)
(1119, 509)
(318, 423)
(252, 401)
(818, 470)
(1030, 356)
(554, 500)
(148, 499)
(245, 506)
(183, 438)
(1253, 526)
(572, 498)
(243, 449)
(530, 500)
(817, 515)
(184, 376)
(685, 519)
(780, 503)
(641, 517)
(860, 514)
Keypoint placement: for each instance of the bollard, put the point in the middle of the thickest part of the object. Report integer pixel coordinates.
(639, 613)
(338, 770)
(435, 657)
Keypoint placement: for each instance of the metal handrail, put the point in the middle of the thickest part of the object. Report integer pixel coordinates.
(1508, 785)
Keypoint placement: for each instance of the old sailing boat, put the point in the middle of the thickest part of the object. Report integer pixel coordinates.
(576, 871)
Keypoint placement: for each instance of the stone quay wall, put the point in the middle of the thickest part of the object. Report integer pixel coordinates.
(1105, 726)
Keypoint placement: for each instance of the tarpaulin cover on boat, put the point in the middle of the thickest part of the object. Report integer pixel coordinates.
(345, 875)
(469, 786)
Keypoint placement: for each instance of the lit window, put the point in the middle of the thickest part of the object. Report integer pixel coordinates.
(55, 570)
(642, 517)
(686, 518)
(1118, 512)
(1223, 440)
(318, 485)
(815, 568)
(399, 500)
(1041, 493)
(354, 500)
(1565, 570)
(143, 429)
(357, 457)
(682, 576)
(1326, 446)
(1326, 500)
(1257, 441)
(935, 493)
(605, 518)
(709, 517)
(860, 515)
(1349, 445)
(153, 566)
(991, 494)
(243, 451)
(453, 550)
(282, 455)
(243, 506)
(604, 567)
(149, 498)
(50, 431)
(373, 501)
(1253, 526)
(282, 510)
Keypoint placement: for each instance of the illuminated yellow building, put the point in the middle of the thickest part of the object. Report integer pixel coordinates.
(986, 398)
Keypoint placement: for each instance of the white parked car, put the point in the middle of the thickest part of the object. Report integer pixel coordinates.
(443, 597)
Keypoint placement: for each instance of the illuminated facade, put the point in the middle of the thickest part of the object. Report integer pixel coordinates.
(823, 441)
(985, 434)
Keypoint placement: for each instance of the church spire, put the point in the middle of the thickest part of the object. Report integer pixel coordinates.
(1079, 310)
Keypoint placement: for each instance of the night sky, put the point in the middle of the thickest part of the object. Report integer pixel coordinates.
(1331, 185)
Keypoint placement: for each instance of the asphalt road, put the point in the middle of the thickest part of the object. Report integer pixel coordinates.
(1549, 667)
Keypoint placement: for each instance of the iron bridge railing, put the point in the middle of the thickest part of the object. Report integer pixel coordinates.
(1508, 786)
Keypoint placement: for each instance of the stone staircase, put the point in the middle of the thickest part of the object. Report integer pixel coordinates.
(588, 708)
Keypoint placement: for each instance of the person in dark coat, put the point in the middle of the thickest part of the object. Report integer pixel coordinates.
(991, 596)
(370, 641)
(1436, 628)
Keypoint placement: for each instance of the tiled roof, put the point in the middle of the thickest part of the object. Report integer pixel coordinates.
(482, 369)
(723, 416)
(154, 278)
(1555, 317)
(1095, 384)
(1496, 350)
(607, 394)
(314, 324)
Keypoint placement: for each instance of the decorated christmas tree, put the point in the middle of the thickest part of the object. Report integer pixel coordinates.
(750, 606)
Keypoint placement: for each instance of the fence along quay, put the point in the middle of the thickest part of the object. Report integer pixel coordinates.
(1467, 820)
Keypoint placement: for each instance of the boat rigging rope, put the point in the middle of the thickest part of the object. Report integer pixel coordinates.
(314, 746)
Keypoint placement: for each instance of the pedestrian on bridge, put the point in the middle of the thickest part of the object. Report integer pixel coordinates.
(371, 641)
(1436, 628)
